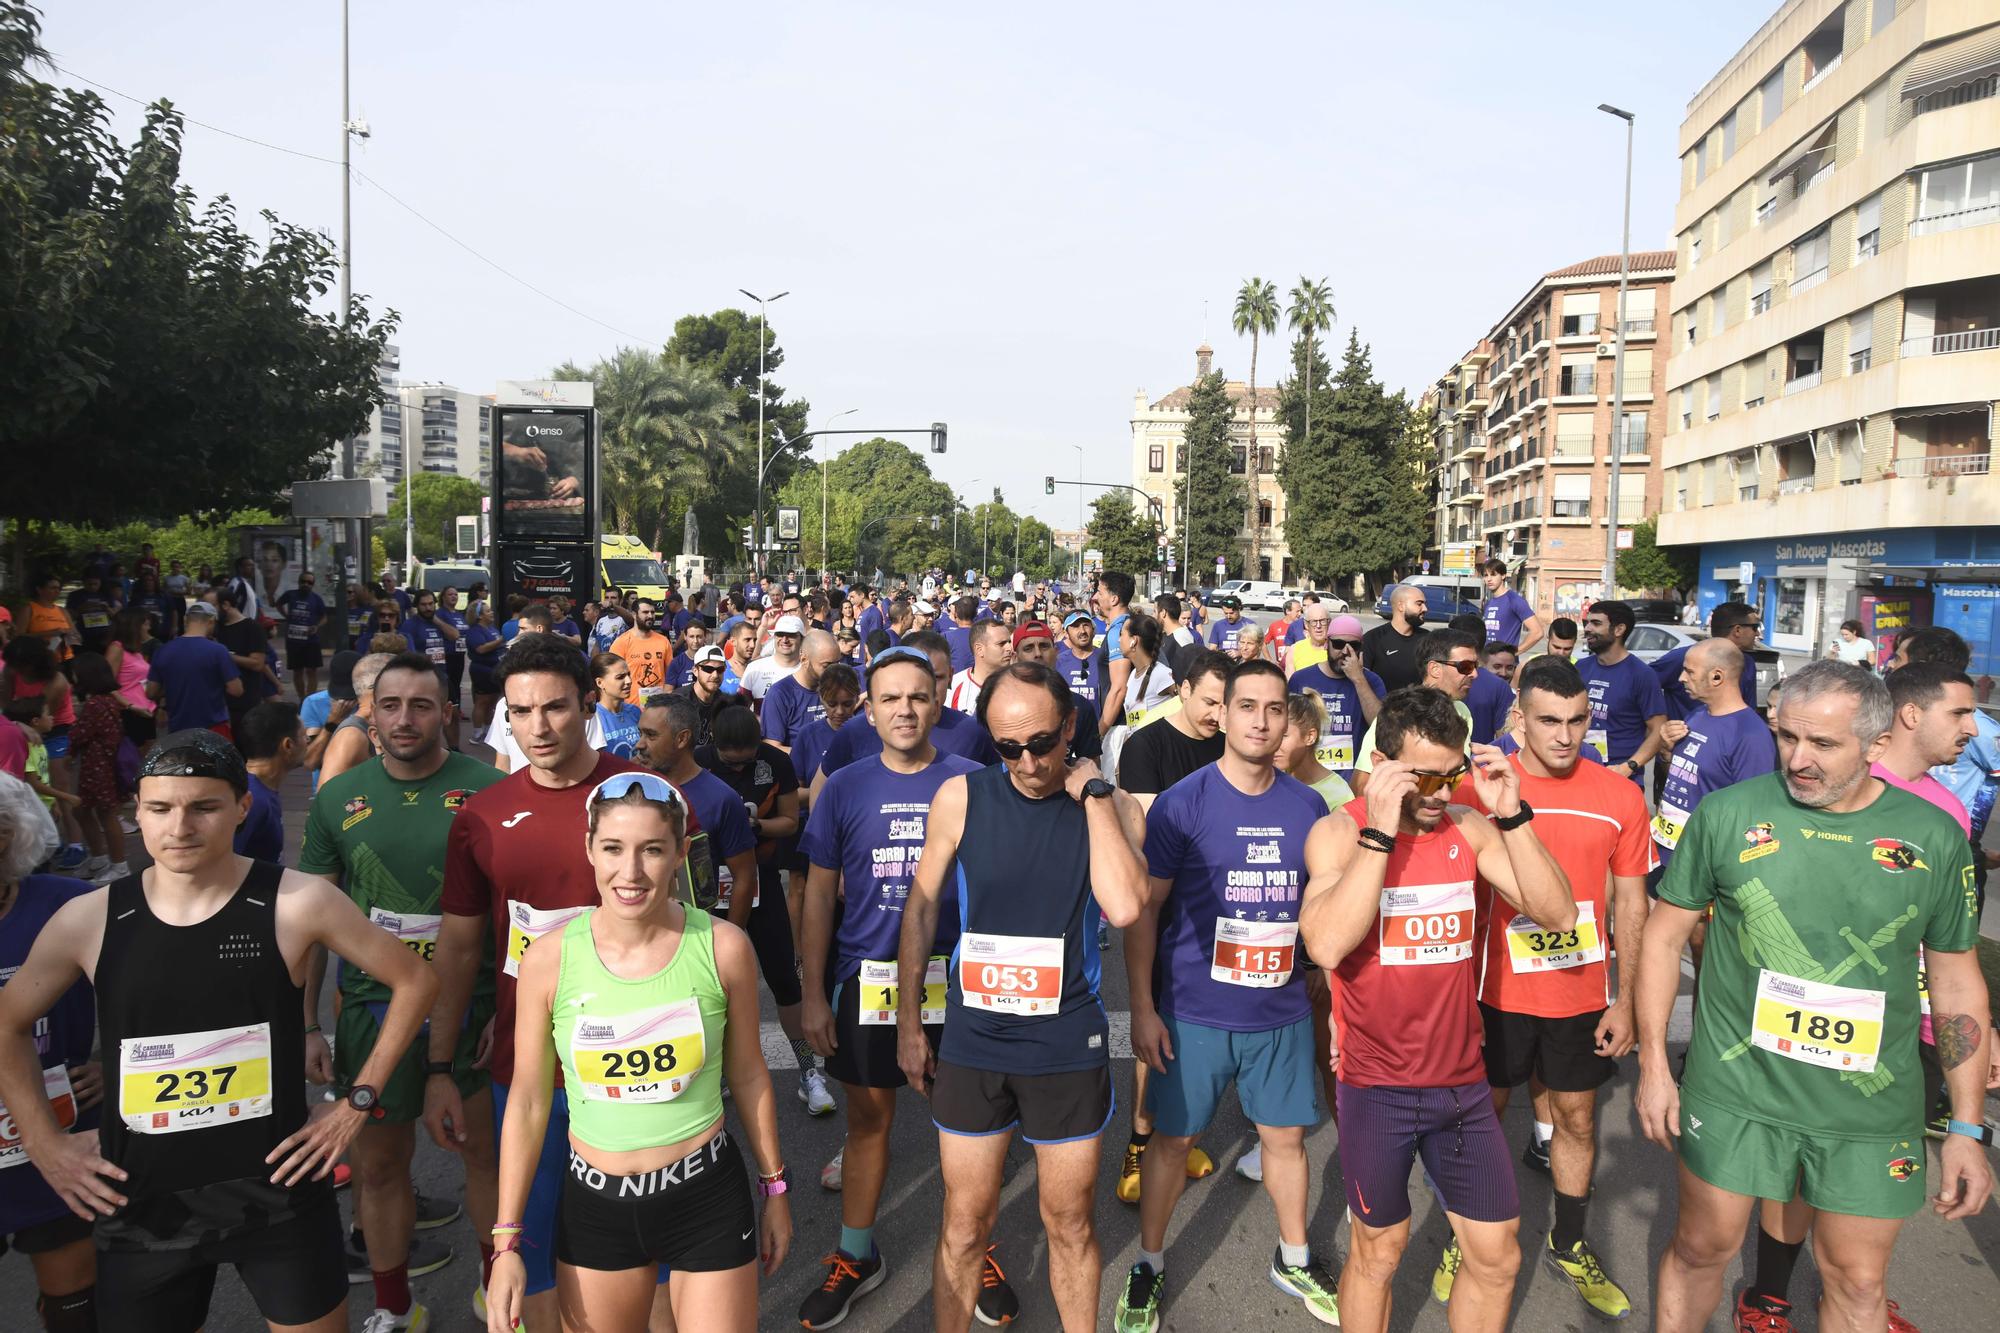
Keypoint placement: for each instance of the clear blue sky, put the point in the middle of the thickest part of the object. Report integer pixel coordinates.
(1003, 217)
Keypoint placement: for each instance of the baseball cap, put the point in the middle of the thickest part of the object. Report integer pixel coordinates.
(1033, 629)
(709, 652)
(198, 609)
(923, 608)
(340, 680)
(1344, 627)
(790, 625)
(1075, 616)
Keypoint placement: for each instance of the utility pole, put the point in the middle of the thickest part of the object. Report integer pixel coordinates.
(1618, 369)
(757, 509)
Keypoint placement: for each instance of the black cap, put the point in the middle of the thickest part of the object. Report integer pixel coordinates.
(197, 753)
(340, 680)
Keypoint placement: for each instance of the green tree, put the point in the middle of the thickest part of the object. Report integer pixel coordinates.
(1309, 315)
(1256, 314)
(1123, 535)
(1039, 559)
(880, 499)
(725, 345)
(666, 430)
(436, 499)
(158, 359)
(1353, 504)
(1649, 566)
(1211, 526)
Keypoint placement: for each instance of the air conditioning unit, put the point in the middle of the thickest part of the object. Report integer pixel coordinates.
(1607, 349)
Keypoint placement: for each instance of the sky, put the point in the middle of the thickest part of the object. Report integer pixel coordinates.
(1008, 218)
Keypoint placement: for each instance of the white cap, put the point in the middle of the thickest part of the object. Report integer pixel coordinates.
(789, 625)
(708, 652)
(924, 608)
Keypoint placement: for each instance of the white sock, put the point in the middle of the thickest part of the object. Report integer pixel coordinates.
(1294, 1256)
(1543, 1133)
(1157, 1261)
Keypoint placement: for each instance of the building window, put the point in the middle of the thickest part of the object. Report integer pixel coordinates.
(1570, 497)
(1884, 12)
(1729, 136)
(1267, 459)
(1964, 194)
(1263, 513)
(1760, 288)
(1180, 458)
(1861, 342)
(1809, 259)
(1156, 458)
(1237, 460)
(1868, 228)
(1771, 102)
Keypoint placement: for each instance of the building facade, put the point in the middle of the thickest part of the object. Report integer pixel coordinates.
(1522, 430)
(1836, 322)
(439, 428)
(1159, 456)
(378, 449)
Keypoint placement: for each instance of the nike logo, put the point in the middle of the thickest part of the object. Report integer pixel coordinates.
(518, 817)
(1362, 1199)
(746, 1235)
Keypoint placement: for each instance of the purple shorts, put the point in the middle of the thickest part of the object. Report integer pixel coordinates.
(1384, 1130)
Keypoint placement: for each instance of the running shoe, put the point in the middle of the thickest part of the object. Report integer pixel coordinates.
(343, 1175)
(1199, 1164)
(435, 1213)
(1762, 1314)
(814, 1093)
(1937, 1126)
(1536, 1155)
(830, 1174)
(1447, 1272)
(1250, 1165)
(71, 856)
(426, 1257)
(1138, 1309)
(997, 1303)
(112, 871)
(416, 1320)
(1316, 1288)
(1898, 1324)
(1586, 1274)
(1128, 1173)
(847, 1280)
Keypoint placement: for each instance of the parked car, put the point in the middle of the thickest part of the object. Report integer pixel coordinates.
(1259, 595)
(1655, 610)
(1227, 588)
(1649, 643)
(1440, 603)
(1334, 605)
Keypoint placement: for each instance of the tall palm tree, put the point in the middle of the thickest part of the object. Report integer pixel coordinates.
(664, 431)
(1310, 313)
(1256, 314)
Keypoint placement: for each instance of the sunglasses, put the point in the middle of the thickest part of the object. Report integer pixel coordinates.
(1348, 645)
(1462, 668)
(1430, 784)
(1034, 745)
(650, 785)
(710, 670)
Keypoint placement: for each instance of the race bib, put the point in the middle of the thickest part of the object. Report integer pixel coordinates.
(97, 620)
(1011, 974)
(527, 924)
(1257, 954)
(1668, 822)
(418, 934)
(297, 632)
(1835, 1027)
(62, 1100)
(880, 991)
(1426, 923)
(1336, 752)
(728, 884)
(192, 1080)
(1532, 949)
(648, 1056)
(1599, 741)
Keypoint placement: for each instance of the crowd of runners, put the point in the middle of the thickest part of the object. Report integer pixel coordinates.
(1385, 877)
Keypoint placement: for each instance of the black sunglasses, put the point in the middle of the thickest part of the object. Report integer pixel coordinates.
(1034, 745)
(709, 670)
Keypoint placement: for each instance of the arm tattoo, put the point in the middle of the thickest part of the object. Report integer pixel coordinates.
(1957, 1038)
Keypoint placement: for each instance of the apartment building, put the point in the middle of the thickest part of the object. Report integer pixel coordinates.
(378, 449)
(1523, 429)
(1159, 456)
(439, 428)
(1835, 334)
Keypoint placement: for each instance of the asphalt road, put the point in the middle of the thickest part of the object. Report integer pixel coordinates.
(1944, 1274)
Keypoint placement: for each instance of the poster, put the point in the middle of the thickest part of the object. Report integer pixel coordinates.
(279, 554)
(1883, 614)
(544, 473)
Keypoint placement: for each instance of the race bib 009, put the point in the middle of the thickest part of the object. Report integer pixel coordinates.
(1426, 924)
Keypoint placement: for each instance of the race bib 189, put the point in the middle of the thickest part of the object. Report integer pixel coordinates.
(648, 1056)
(1011, 974)
(1257, 954)
(193, 1080)
(527, 924)
(1426, 924)
(880, 991)
(1835, 1027)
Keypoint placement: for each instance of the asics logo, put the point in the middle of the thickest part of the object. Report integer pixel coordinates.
(519, 815)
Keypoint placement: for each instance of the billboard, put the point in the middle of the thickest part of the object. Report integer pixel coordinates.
(537, 571)
(280, 554)
(545, 474)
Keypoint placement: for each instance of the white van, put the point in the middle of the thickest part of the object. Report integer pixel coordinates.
(1261, 596)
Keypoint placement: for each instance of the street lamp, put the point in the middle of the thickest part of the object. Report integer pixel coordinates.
(757, 509)
(822, 488)
(956, 505)
(1618, 367)
(1079, 514)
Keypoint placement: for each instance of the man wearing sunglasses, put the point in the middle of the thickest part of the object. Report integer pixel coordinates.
(1225, 852)
(1545, 996)
(1351, 693)
(1628, 709)
(865, 836)
(1390, 910)
(787, 635)
(1076, 655)
(1034, 848)
(1447, 661)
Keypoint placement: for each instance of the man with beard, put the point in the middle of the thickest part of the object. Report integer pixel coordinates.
(1390, 649)
(646, 651)
(1628, 709)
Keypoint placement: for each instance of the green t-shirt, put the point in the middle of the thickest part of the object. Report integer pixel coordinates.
(1808, 1011)
(385, 841)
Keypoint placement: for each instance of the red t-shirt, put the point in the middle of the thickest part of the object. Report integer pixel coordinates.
(1403, 1000)
(515, 856)
(1594, 823)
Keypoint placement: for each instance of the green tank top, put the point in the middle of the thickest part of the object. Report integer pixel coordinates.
(642, 1060)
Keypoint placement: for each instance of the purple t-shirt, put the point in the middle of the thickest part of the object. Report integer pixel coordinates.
(869, 824)
(1504, 615)
(1489, 699)
(788, 706)
(954, 733)
(1622, 697)
(1237, 865)
(959, 640)
(1222, 634)
(810, 748)
(194, 673)
(1345, 724)
(1077, 672)
(1717, 752)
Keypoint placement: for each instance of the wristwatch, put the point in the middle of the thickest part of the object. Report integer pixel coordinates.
(1515, 820)
(1977, 1133)
(433, 1068)
(365, 1100)
(1098, 787)
(779, 1184)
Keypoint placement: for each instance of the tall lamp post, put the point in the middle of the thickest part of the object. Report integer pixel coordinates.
(1612, 502)
(1080, 538)
(956, 505)
(822, 488)
(757, 509)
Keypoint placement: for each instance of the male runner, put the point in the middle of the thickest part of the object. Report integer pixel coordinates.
(1545, 995)
(1036, 848)
(1225, 850)
(646, 651)
(1628, 710)
(1446, 661)
(863, 839)
(760, 675)
(1351, 693)
(379, 830)
(1390, 649)
(952, 732)
(1390, 911)
(792, 703)
(513, 872)
(1111, 599)
(1034, 643)
(1802, 1074)
(1722, 741)
(1076, 655)
(992, 648)
(1508, 617)
(209, 1155)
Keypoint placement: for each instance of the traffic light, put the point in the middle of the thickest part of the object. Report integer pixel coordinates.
(937, 437)
(1048, 485)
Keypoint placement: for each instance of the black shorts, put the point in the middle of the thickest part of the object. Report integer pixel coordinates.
(693, 1215)
(1561, 1052)
(302, 654)
(295, 1270)
(43, 1237)
(1049, 1108)
(866, 1056)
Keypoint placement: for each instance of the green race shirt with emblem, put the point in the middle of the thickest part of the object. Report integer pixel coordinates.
(385, 840)
(1807, 1015)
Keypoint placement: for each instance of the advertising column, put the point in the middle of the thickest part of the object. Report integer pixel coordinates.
(544, 520)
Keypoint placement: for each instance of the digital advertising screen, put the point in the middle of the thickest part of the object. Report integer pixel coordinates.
(545, 475)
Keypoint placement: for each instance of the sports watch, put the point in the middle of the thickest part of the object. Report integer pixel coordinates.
(365, 1100)
(1098, 787)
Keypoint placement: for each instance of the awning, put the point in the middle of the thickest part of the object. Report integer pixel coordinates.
(1799, 154)
(1969, 56)
(1939, 410)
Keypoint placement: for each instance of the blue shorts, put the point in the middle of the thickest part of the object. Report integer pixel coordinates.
(1275, 1077)
(538, 1219)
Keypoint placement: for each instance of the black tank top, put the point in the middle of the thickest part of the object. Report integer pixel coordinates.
(203, 1039)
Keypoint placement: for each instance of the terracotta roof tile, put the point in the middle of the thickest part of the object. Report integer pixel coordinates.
(1177, 401)
(1643, 261)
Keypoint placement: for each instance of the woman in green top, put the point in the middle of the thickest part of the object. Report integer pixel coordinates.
(645, 1006)
(1305, 723)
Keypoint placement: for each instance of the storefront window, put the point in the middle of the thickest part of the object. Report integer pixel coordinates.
(1789, 612)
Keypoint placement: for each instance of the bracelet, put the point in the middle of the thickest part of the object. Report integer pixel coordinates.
(1375, 840)
(772, 1175)
(1977, 1133)
(312, 1029)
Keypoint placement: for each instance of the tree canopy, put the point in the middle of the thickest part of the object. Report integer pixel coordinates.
(436, 501)
(1122, 534)
(880, 494)
(1213, 525)
(1650, 566)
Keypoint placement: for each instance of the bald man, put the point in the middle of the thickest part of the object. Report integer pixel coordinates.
(1721, 742)
(1390, 649)
(792, 703)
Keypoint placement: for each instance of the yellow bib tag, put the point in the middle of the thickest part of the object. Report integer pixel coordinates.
(880, 991)
(648, 1056)
(1532, 949)
(1835, 1027)
(193, 1080)
(527, 924)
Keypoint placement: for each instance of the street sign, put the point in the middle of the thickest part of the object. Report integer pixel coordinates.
(1458, 558)
(788, 523)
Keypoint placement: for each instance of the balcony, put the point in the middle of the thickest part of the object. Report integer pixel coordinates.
(1800, 383)
(1574, 511)
(1807, 281)
(1471, 447)
(1577, 384)
(1944, 344)
(1977, 90)
(1573, 449)
(1976, 216)
(1826, 68)
(1468, 493)
(1795, 486)
(1639, 328)
(1947, 465)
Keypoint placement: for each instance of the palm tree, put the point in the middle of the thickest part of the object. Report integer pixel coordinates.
(664, 432)
(1256, 314)
(1311, 312)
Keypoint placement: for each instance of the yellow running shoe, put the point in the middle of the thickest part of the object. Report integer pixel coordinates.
(1199, 1164)
(1584, 1272)
(1128, 1173)
(1447, 1273)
